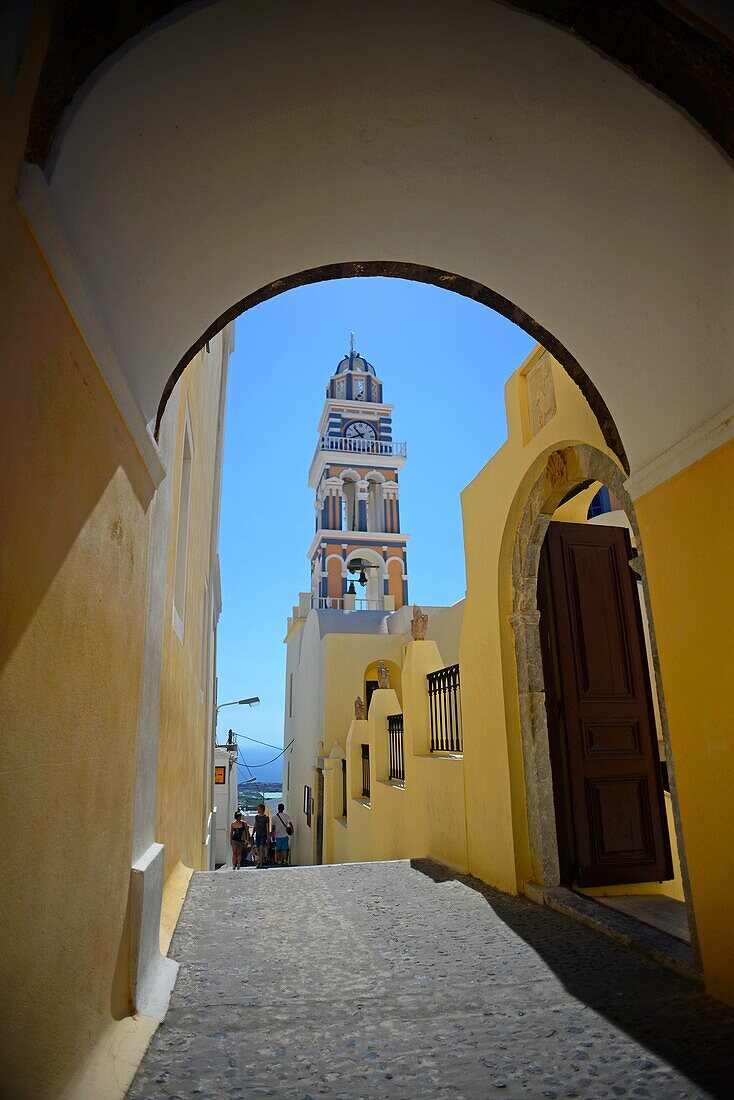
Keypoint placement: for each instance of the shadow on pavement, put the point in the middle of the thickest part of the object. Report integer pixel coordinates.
(665, 1013)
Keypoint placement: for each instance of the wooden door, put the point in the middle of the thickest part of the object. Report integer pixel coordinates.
(607, 783)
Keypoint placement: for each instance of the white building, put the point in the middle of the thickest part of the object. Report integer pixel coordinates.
(357, 613)
(225, 800)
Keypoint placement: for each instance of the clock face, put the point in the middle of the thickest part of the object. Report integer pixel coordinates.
(360, 430)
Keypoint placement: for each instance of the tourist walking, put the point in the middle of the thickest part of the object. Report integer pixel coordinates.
(261, 833)
(239, 838)
(282, 830)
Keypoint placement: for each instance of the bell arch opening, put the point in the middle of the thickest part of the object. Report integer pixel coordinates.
(367, 567)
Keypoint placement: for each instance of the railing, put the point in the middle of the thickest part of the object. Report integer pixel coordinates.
(353, 603)
(363, 446)
(395, 737)
(444, 704)
(344, 788)
(365, 771)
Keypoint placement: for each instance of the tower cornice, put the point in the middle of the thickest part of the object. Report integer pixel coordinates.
(325, 457)
(374, 539)
(365, 410)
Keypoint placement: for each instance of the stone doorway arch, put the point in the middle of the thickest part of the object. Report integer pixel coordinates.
(567, 468)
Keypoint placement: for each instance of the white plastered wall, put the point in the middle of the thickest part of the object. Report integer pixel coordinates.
(274, 138)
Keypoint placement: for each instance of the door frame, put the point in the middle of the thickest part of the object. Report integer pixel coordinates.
(566, 468)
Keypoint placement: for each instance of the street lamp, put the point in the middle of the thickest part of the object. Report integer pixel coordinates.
(253, 702)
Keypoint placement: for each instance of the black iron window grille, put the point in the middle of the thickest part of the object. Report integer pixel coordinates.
(307, 805)
(365, 771)
(444, 705)
(395, 737)
(344, 788)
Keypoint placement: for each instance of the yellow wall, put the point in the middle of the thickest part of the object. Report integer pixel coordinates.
(328, 675)
(73, 575)
(73, 570)
(491, 507)
(425, 815)
(184, 750)
(693, 560)
(676, 521)
(347, 658)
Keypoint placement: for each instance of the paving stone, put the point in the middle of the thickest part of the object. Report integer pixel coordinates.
(375, 980)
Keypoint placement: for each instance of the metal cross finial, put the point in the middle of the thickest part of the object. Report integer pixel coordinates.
(351, 343)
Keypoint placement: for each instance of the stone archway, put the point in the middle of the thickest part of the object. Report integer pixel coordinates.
(419, 273)
(478, 196)
(571, 467)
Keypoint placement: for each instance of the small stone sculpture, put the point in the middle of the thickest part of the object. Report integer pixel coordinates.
(556, 468)
(383, 675)
(359, 709)
(418, 624)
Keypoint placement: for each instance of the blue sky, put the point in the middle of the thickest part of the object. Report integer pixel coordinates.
(443, 361)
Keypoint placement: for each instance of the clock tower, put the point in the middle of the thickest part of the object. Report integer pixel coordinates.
(358, 554)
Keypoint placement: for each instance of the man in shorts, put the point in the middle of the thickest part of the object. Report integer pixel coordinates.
(281, 824)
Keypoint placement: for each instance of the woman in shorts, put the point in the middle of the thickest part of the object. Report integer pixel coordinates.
(239, 838)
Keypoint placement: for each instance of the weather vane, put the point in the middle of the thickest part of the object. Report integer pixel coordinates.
(351, 343)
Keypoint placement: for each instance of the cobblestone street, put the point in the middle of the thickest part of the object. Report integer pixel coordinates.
(373, 980)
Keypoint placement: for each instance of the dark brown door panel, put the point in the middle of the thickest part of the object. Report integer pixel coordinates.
(603, 719)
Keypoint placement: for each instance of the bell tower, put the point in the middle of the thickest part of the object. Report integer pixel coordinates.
(358, 554)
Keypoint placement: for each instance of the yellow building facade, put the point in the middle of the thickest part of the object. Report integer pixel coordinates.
(488, 806)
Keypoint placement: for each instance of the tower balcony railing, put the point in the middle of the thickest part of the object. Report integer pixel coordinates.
(348, 603)
(364, 446)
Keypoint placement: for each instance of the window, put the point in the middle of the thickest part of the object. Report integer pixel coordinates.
(365, 771)
(288, 776)
(203, 671)
(344, 788)
(370, 687)
(290, 695)
(664, 775)
(600, 504)
(16, 22)
(220, 775)
(307, 805)
(182, 533)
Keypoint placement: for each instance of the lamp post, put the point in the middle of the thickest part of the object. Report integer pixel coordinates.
(231, 745)
(253, 702)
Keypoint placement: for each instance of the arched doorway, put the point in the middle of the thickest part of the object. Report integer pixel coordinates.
(553, 820)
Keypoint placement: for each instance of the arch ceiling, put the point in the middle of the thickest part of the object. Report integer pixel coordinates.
(239, 144)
